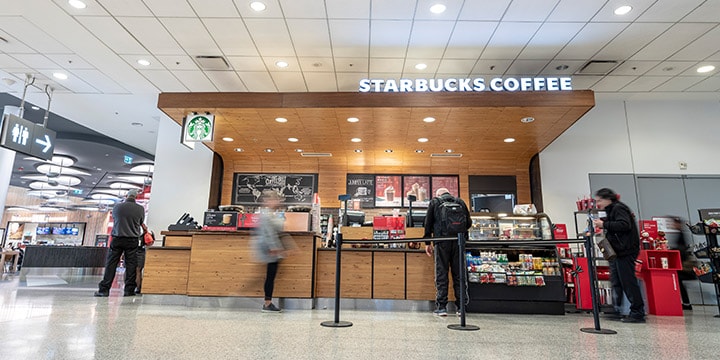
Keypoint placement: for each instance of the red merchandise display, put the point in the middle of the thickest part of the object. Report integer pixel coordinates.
(659, 273)
(560, 232)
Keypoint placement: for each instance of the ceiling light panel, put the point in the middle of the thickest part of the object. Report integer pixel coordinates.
(135, 179)
(122, 185)
(143, 168)
(47, 168)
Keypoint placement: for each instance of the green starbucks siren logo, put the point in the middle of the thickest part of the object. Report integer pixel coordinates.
(199, 128)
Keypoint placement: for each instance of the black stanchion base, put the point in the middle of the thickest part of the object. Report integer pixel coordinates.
(717, 316)
(463, 328)
(596, 331)
(339, 324)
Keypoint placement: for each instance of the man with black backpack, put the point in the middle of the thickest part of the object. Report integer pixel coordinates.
(447, 216)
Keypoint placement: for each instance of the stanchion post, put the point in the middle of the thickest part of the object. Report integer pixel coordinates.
(463, 288)
(590, 251)
(338, 257)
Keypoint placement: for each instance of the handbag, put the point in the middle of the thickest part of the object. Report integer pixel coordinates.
(148, 239)
(607, 250)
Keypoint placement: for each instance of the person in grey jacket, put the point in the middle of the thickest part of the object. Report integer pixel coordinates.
(268, 246)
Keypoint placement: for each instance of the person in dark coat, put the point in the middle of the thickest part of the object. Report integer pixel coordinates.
(621, 230)
(681, 244)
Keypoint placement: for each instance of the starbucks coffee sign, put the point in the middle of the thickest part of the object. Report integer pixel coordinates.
(198, 128)
(510, 84)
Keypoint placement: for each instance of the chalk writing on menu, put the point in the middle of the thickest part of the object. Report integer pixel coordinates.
(362, 188)
(296, 189)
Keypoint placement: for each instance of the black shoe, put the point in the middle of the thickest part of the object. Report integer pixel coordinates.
(687, 307)
(613, 316)
(137, 291)
(101, 294)
(129, 294)
(633, 320)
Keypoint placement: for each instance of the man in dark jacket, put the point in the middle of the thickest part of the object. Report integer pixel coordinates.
(446, 252)
(622, 232)
(128, 217)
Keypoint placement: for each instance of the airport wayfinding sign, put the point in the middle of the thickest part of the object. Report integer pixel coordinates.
(27, 137)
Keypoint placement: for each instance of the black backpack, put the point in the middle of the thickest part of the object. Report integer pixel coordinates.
(452, 217)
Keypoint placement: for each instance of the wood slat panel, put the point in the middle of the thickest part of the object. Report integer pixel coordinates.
(166, 271)
(356, 275)
(177, 241)
(294, 277)
(389, 275)
(420, 277)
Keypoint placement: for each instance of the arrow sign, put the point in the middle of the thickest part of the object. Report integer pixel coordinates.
(46, 143)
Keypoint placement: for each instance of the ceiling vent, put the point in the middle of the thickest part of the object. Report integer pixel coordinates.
(212, 62)
(446, 155)
(315, 154)
(598, 67)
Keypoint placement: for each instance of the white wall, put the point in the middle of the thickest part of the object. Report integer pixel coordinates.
(643, 137)
(181, 182)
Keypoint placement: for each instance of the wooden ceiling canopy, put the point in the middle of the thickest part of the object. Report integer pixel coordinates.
(471, 124)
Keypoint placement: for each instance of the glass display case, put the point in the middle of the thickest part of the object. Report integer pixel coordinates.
(490, 227)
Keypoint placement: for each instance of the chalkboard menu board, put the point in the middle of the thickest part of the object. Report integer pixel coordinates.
(362, 189)
(297, 189)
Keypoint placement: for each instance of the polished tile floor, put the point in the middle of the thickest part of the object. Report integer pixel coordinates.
(67, 322)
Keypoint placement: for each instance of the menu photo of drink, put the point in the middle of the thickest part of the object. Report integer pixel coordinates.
(361, 187)
(388, 191)
(451, 182)
(419, 186)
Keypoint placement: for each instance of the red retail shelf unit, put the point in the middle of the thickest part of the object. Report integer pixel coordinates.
(662, 284)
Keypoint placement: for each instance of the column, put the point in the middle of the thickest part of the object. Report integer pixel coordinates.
(7, 160)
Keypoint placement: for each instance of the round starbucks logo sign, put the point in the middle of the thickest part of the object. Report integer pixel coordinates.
(199, 128)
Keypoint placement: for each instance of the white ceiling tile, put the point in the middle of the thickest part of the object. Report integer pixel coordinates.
(126, 7)
(385, 75)
(232, 36)
(576, 11)
(509, 39)
(7, 62)
(214, 8)
(43, 78)
(590, 40)
(393, 10)
(92, 8)
(386, 65)
(469, 39)
(555, 67)
(703, 47)
(671, 41)
(350, 38)
(152, 35)
(582, 82)
(429, 38)
(634, 67)
(707, 12)
(303, 9)
(37, 61)
(195, 81)
(356, 9)
(388, 38)
(14, 46)
(456, 66)
(132, 60)
(645, 83)
(100, 81)
(607, 13)
(549, 40)
(164, 80)
(112, 34)
(669, 11)
(529, 10)
(191, 35)
(410, 70)
(227, 81)
(272, 11)
(177, 62)
(692, 70)
(289, 81)
(247, 63)
(350, 81)
(678, 83)
(714, 57)
(451, 12)
(349, 65)
(484, 10)
(73, 83)
(271, 63)
(321, 82)
(258, 81)
(709, 84)
(271, 37)
(670, 68)
(526, 67)
(310, 37)
(315, 64)
(634, 37)
(612, 83)
(33, 36)
(170, 8)
(69, 61)
(491, 67)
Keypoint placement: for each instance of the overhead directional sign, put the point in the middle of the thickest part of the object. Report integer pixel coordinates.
(27, 137)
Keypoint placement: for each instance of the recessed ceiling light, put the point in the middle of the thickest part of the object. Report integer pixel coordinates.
(228, 139)
(419, 151)
(281, 120)
(77, 4)
(239, 149)
(356, 139)
(35, 107)
(138, 124)
(269, 150)
(438, 9)
(527, 120)
(448, 150)
(388, 150)
(298, 150)
(358, 150)
(423, 140)
(429, 119)
(59, 75)
(281, 64)
(257, 6)
(706, 68)
(509, 140)
(143, 62)
(293, 139)
(421, 66)
(623, 10)
(353, 119)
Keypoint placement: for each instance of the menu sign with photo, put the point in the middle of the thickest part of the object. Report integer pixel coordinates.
(362, 189)
(452, 183)
(295, 189)
(418, 186)
(388, 191)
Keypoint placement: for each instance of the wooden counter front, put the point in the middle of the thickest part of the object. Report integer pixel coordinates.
(355, 277)
(166, 271)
